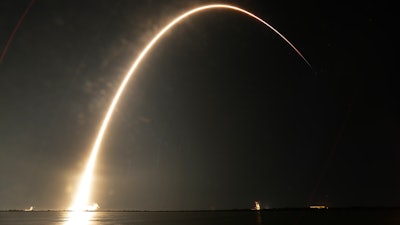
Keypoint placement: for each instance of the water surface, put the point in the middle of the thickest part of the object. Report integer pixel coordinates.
(268, 217)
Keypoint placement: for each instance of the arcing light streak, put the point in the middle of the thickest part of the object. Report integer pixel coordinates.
(82, 197)
(10, 38)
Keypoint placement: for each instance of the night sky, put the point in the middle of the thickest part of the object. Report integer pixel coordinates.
(222, 112)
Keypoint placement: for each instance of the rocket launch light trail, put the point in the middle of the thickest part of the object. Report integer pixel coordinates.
(81, 199)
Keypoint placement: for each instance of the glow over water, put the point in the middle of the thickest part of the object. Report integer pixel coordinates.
(81, 199)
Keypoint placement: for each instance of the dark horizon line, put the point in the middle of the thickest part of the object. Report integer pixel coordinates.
(209, 210)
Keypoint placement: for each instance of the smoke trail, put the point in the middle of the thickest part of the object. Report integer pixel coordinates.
(82, 197)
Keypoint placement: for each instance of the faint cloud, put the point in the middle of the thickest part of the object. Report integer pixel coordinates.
(144, 119)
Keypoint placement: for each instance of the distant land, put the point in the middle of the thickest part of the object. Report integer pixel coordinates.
(209, 210)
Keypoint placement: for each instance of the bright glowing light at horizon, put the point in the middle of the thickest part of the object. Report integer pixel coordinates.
(93, 207)
(82, 197)
(257, 205)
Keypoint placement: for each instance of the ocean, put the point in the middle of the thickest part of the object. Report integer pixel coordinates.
(235, 217)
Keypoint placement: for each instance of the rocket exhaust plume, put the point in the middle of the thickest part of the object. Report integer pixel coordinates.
(83, 193)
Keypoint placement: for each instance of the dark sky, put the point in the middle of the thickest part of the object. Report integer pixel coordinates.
(222, 112)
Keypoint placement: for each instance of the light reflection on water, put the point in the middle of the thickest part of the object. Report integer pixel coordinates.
(125, 218)
(78, 218)
(269, 217)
